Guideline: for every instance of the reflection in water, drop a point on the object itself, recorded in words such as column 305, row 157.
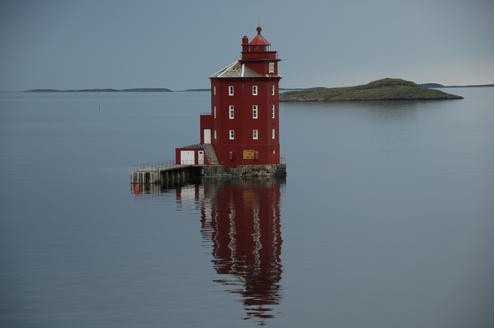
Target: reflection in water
column 242, row 223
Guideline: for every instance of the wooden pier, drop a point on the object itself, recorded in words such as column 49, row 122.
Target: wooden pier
column 172, row 175
column 166, row 175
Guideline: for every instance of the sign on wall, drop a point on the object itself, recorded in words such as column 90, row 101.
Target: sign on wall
column 248, row 154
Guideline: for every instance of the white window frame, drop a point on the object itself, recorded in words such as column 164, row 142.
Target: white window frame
column 273, row 133
column 273, row 111
column 231, row 112
column 214, row 111
column 255, row 134
column 271, row 67
column 255, row 112
column 214, row 90
column 254, row 90
column 231, row 135
column 231, row 90
column 273, row 90
column 215, row 134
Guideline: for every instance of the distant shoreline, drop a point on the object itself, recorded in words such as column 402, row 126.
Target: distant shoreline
column 439, row 86
column 469, row 86
column 135, row 90
column 103, row 90
column 422, row 85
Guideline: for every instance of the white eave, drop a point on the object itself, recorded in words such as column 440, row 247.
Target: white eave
column 235, row 70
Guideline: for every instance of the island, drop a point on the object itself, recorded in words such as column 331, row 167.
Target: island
column 384, row 89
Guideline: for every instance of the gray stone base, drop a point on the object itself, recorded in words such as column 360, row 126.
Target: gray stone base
column 274, row 170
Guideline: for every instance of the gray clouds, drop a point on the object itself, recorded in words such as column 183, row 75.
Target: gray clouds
column 178, row 44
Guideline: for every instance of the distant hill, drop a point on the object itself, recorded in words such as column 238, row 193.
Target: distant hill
column 104, row 90
column 385, row 89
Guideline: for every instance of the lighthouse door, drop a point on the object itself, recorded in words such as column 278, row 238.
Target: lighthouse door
column 207, row 136
column 187, row 157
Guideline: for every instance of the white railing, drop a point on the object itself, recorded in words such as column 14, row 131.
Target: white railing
column 155, row 165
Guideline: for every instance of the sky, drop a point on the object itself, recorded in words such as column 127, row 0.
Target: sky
column 178, row 44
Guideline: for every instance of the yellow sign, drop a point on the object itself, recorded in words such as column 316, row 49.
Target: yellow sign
column 248, row 154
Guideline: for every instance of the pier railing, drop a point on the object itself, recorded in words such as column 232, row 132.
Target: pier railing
column 160, row 164
column 154, row 165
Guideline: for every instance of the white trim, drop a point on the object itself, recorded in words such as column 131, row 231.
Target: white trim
column 207, row 136
column 223, row 70
column 255, row 134
column 231, row 135
column 255, row 113
column 271, row 67
column 254, row 90
column 231, row 112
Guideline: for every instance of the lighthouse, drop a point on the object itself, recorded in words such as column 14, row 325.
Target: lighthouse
column 241, row 131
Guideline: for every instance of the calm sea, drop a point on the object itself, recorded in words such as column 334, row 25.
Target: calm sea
column 385, row 218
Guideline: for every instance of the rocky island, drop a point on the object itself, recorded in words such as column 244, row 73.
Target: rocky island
column 385, row 89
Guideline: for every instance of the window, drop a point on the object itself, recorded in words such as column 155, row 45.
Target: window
column 255, row 134
column 215, row 134
column 231, row 134
column 214, row 111
column 255, row 112
column 231, row 112
column 214, row 90
column 271, row 67
column 273, row 133
column 273, row 90
column 273, row 111
column 255, row 90
column 231, row 90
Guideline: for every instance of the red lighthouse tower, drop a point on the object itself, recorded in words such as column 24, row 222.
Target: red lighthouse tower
column 245, row 107
column 242, row 128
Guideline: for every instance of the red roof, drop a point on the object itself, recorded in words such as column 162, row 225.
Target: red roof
column 259, row 40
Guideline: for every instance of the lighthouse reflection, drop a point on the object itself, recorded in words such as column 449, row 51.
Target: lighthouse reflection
column 241, row 222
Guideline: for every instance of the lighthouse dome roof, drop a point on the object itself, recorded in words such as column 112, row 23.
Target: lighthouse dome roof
column 259, row 40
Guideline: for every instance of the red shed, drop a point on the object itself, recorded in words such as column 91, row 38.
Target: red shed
column 191, row 155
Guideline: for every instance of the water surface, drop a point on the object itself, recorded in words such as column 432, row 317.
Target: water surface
column 385, row 219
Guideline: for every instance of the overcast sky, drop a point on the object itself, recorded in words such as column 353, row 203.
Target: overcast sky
column 177, row 44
